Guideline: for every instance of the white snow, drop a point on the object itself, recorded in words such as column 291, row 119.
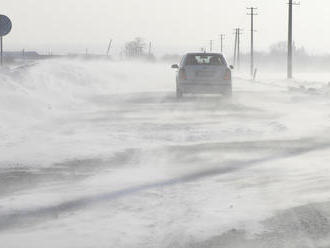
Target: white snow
column 112, row 159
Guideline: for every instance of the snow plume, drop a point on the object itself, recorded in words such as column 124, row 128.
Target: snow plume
column 35, row 100
column 102, row 154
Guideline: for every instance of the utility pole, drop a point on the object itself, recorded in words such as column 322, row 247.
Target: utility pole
column 237, row 52
column 222, row 37
column 252, row 14
column 290, row 39
column 238, row 48
column 235, row 48
column 211, row 45
column 109, row 48
column 150, row 47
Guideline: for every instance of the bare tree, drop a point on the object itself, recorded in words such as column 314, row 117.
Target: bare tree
column 135, row 48
column 279, row 48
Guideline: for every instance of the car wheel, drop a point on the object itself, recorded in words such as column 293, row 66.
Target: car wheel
column 179, row 93
column 228, row 93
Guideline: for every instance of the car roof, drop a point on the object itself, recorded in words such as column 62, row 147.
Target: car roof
column 205, row 54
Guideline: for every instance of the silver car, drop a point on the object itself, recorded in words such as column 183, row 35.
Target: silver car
column 203, row 73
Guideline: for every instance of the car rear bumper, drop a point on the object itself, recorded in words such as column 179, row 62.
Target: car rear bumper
column 206, row 87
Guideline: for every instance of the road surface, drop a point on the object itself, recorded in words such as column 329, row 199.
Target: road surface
column 101, row 154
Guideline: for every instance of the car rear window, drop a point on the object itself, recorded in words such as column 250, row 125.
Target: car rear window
column 204, row 59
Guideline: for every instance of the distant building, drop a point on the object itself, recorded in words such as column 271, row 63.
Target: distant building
column 22, row 54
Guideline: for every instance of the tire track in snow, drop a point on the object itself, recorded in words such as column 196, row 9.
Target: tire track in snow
column 23, row 217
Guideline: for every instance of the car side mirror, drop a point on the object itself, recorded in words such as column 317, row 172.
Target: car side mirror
column 231, row 67
column 175, row 66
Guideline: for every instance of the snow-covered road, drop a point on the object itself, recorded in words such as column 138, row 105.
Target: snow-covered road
column 102, row 154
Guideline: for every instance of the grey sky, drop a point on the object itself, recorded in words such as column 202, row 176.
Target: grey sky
column 172, row 25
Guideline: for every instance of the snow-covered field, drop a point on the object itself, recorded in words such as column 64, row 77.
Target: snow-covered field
column 102, row 154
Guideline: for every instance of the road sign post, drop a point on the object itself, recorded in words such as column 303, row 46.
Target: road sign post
column 1, row 50
column 5, row 28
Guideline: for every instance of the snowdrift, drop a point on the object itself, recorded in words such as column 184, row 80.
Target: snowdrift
column 34, row 97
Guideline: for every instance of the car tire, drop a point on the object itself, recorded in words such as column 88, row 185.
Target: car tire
column 179, row 93
column 228, row 93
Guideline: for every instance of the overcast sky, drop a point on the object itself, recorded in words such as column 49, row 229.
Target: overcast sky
column 172, row 25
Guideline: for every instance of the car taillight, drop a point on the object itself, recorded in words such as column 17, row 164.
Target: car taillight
column 228, row 75
column 182, row 74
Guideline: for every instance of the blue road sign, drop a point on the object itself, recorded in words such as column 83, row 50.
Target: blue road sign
column 5, row 25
